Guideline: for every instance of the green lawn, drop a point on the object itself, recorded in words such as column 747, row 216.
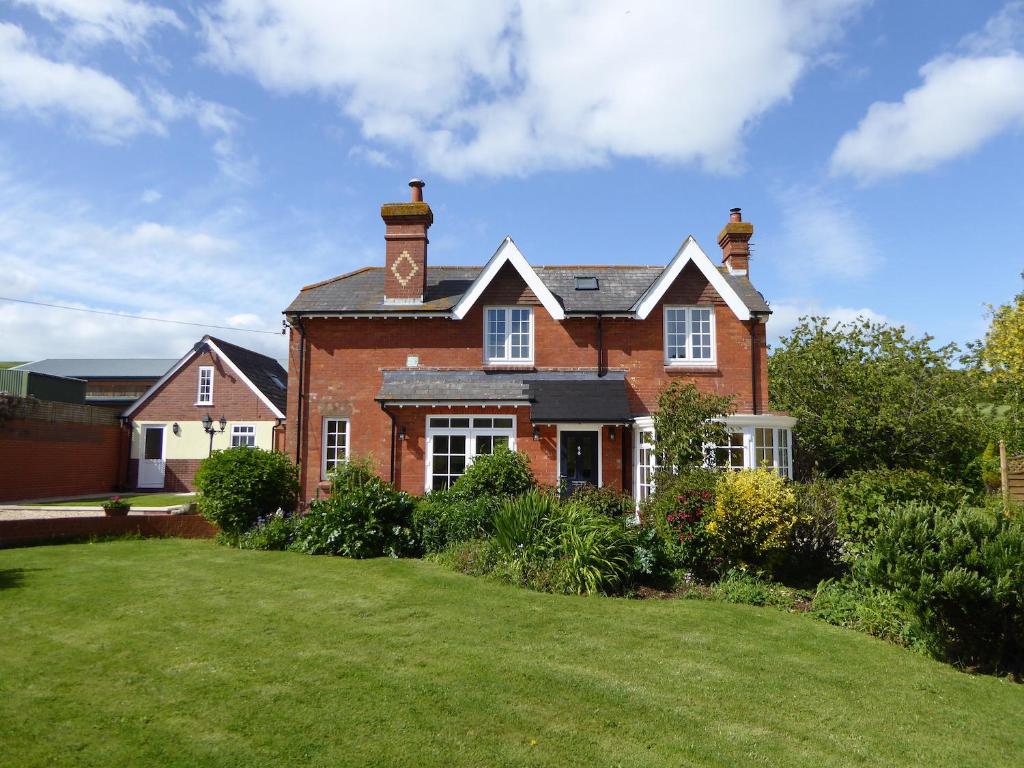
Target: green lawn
column 133, row 653
column 138, row 500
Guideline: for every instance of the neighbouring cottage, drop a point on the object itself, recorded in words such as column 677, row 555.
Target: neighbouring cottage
column 217, row 396
column 425, row 367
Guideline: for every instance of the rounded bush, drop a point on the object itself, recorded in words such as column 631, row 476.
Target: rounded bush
column 753, row 517
column 367, row 519
column 442, row 519
column 239, row 485
column 502, row 473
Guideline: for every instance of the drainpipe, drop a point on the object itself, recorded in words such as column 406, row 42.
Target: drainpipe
column 298, row 407
column 600, row 345
column 392, row 417
column 755, row 364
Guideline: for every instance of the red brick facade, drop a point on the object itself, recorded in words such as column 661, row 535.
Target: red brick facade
column 176, row 399
column 344, row 359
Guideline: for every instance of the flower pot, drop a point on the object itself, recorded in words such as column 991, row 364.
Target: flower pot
column 116, row 511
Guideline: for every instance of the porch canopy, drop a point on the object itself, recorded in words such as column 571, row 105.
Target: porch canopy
column 554, row 397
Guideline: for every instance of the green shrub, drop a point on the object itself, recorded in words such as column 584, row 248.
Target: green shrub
column 276, row 532
column 815, row 550
column 864, row 496
column 473, row 557
column 239, row 485
column 745, row 588
column 685, row 498
column 961, row 574
column 350, row 474
column 753, row 518
column 991, row 473
column 594, row 552
column 520, row 526
column 503, row 473
column 365, row 520
column 603, row 501
column 443, row 518
column 855, row 605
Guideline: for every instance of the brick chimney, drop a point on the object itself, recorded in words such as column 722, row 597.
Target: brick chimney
column 405, row 247
column 734, row 240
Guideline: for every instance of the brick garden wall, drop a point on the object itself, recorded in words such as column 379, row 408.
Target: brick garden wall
column 345, row 359
column 61, row 449
column 14, row 533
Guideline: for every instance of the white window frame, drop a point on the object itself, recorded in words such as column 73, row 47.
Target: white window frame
column 507, row 358
column 471, row 433
column 689, row 360
column 643, row 440
column 748, row 425
column 323, row 444
column 251, row 432
column 208, row 370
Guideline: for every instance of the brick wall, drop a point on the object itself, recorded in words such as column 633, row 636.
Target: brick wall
column 45, row 454
column 345, row 358
column 15, row 533
column 176, row 399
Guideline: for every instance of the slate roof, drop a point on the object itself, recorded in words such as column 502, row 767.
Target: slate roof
column 619, row 288
column 101, row 368
column 265, row 373
column 555, row 396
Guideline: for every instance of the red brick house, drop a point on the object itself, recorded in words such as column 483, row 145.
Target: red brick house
column 424, row 367
column 218, row 395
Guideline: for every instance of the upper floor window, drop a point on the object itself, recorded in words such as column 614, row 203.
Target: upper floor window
column 205, row 396
column 508, row 335
column 690, row 335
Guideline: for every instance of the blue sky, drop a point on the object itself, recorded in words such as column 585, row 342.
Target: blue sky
column 201, row 162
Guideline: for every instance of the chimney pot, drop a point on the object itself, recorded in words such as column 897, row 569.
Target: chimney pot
column 734, row 240
column 417, row 186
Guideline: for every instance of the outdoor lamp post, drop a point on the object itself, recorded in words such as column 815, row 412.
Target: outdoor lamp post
column 211, row 431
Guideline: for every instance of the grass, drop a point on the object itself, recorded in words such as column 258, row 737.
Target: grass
column 138, row 500
column 183, row 653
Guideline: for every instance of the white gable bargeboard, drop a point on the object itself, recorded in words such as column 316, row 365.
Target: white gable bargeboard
column 508, row 253
column 690, row 251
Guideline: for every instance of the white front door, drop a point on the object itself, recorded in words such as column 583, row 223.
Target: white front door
column 151, row 462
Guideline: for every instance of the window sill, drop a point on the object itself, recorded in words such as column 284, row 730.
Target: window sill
column 509, row 367
column 690, row 370
column 204, row 405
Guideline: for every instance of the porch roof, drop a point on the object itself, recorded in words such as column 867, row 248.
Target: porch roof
column 554, row 396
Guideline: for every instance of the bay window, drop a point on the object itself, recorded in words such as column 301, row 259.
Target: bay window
column 454, row 441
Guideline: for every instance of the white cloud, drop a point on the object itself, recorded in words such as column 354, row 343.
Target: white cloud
column 786, row 315
column 820, row 237
column 370, row 155
column 512, row 87
column 55, row 249
column 963, row 101
column 33, row 84
column 214, row 119
column 151, row 196
column 91, row 22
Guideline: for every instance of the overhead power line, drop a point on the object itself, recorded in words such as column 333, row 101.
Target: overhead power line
column 139, row 317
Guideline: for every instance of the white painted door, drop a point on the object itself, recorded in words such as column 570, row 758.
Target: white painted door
column 151, row 462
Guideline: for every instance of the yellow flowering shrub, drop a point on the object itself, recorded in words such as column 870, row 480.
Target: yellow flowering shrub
column 753, row 517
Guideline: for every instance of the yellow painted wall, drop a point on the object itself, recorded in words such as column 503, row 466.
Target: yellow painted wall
column 192, row 442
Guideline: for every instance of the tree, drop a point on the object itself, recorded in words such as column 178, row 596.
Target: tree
column 686, row 423
column 1002, row 352
column 868, row 395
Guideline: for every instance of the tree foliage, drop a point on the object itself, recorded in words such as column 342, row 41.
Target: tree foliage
column 1002, row 351
column 868, row 395
column 686, row 423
